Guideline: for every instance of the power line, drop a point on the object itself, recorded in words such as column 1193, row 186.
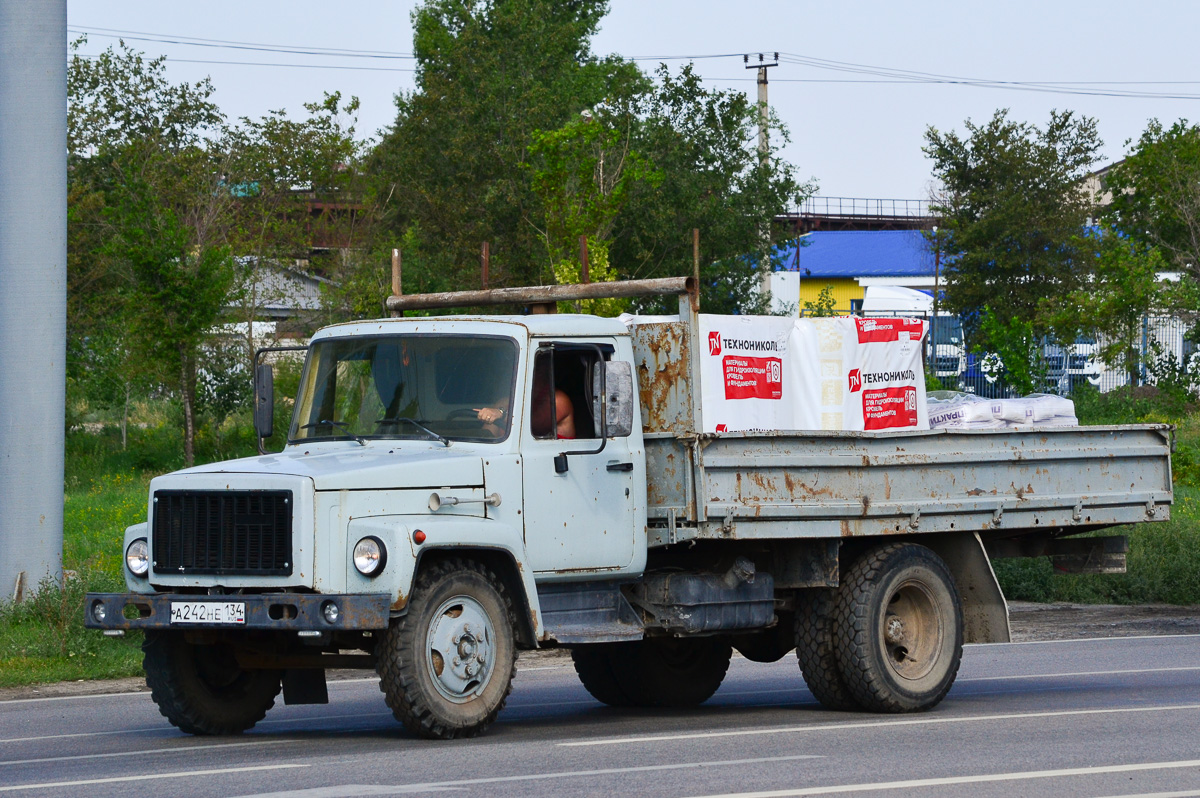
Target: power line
column 272, row 64
column 194, row 41
column 884, row 75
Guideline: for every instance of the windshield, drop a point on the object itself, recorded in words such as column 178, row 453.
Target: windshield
column 425, row 387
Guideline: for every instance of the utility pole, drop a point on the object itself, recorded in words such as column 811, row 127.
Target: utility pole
column 764, row 152
column 33, row 291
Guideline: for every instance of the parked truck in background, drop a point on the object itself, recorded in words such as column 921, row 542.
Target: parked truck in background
column 426, row 520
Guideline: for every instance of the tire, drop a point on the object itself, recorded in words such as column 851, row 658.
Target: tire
column 201, row 689
column 898, row 629
column 816, row 653
column 768, row 645
column 446, row 667
column 683, row 672
column 663, row 671
column 594, row 666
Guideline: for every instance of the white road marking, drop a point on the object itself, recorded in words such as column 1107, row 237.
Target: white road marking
column 346, row 791
column 163, row 728
column 870, row 725
column 4, row 703
column 170, row 729
column 143, row 751
column 1184, row 794
column 46, row 785
column 1078, row 640
column 602, row 772
column 1078, row 673
column 991, row 777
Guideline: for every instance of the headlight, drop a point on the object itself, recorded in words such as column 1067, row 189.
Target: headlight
column 137, row 557
column 370, row 556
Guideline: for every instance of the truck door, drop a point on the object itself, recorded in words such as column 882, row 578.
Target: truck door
column 581, row 518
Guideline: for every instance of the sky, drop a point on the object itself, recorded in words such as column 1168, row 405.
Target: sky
column 857, row 132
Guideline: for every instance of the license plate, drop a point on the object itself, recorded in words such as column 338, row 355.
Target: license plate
column 233, row 612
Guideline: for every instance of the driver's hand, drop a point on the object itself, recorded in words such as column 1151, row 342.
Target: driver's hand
column 488, row 415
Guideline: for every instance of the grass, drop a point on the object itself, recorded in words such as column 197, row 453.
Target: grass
column 43, row 639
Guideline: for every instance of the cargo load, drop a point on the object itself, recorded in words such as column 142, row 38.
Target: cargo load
column 840, row 373
column 954, row 410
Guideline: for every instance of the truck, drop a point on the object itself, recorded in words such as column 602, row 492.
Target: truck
column 433, row 513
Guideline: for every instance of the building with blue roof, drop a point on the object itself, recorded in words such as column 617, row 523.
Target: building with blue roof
column 848, row 261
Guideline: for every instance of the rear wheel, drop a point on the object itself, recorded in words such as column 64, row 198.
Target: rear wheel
column 655, row 672
column 816, row 652
column 201, row 689
column 898, row 629
column 446, row 667
column 594, row 666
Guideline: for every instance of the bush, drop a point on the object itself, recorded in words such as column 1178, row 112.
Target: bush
column 1132, row 405
column 42, row 639
column 1163, row 566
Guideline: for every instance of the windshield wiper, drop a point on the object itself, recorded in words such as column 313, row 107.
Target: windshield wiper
column 432, row 435
column 325, row 422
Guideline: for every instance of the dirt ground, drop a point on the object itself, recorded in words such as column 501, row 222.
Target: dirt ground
column 1030, row 622
column 1070, row 621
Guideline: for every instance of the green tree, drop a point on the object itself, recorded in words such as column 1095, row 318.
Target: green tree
column 297, row 183
column 1013, row 209
column 154, row 212
column 704, row 144
column 824, row 305
column 179, row 276
column 1122, row 289
column 583, row 173
column 489, row 74
column 1013, row 351
column 1156, row 193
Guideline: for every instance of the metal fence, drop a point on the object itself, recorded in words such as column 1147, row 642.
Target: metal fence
column 863, row 207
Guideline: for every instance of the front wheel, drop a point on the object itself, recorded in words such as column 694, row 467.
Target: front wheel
column 446, row 667
column 201, row 689
column 898, row 629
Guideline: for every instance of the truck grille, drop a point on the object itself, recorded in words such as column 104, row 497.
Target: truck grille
column 222, row 532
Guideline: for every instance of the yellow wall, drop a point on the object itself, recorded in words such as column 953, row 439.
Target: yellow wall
column 844, row 290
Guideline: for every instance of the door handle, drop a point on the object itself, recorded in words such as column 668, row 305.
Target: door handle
column 620, row 466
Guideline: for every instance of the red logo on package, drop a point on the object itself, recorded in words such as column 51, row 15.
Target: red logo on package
column 882, row 331
column 889, row 408
column 855, row 380
column 714, row 343
column 722, row 428
column 753, row 377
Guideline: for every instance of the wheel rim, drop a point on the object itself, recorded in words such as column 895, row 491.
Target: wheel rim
column 460, row 649
column 911, row 630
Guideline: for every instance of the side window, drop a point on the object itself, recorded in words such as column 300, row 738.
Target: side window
column 560, row 405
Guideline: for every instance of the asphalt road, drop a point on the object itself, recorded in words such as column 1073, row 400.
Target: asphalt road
column 1108, row 717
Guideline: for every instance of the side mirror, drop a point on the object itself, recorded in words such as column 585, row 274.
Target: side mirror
column 264, row 400
column 618, row 384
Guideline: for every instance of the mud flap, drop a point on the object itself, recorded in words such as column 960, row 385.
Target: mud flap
column 305, row 686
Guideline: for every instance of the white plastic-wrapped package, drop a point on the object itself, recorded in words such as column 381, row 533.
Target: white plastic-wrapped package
column 841, row 373
column 887, row 383
column 747, row 380
column 949, row 410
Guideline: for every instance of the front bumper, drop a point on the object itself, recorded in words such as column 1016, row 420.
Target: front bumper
column 298, row 612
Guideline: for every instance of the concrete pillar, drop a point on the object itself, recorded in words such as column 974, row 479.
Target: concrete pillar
column 33, row 288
